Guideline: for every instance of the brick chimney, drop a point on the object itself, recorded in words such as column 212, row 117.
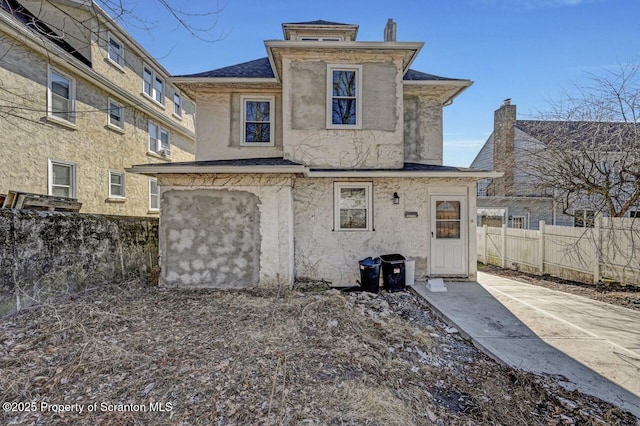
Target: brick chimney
column 390, row 30
column 504, row 120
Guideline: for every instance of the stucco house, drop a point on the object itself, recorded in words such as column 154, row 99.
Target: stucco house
column 324, row 152
column 80, row 102
column 517, row 149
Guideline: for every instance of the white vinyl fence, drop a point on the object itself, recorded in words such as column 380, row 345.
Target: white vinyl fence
column 611, row 249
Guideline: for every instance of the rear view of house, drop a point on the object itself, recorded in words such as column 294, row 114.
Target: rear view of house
column 324, row 152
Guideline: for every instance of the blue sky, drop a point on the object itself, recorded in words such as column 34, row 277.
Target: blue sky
column 527, row 50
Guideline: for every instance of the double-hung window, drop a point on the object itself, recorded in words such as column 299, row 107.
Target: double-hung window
column 61, row 96
column 344, row 88
column 152, row 84
column 257, row 120
column 159, row 140
column 115, row 50
column 352, row 206
column 116, row 184
column 154, row 195
column 116, row 114
column 62, row 179
column 177, row 105
column 583, row 218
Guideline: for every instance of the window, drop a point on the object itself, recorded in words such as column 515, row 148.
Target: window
column 154, row 195
column 634, row 213
column 352, row 203
column 152, row 84
column 583, row 218
column 115, row 50
column 519, row 222
column 448, row 219
column 177, row 105
column 116, row 114
column 62, row 179
column 61, row 96
column 343, row 96
column 159, row 140
column 116, row 184
column 257, row 121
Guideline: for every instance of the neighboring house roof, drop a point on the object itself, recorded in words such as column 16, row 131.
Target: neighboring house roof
column 32, row 22
column 261, row 68
column 606, row 136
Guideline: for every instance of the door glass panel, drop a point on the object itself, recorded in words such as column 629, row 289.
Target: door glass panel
column 448, row 219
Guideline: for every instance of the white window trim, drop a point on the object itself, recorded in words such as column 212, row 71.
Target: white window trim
column 72, row 98
column 73, row 190
column 272, row 124
column 165, row 152
column 583, row 217
column 329, row 112
column 119, row 64
column 115, row 126
column 177, row 113
column 154, row 209
column 154, row 76
column 336, row 204
column 113, row 196
column 525, row 222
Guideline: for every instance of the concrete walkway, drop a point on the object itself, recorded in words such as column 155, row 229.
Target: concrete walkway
column 589, row 345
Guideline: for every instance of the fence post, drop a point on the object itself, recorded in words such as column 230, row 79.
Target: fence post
column 541, row 231
column 503, row 234
column 597, row 238
column 485, row 230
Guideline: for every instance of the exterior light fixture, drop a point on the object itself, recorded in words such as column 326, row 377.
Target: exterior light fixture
column 396, row 198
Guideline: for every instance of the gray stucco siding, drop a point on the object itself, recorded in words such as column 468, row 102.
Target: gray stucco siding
column 212, row 238
column 309, row 96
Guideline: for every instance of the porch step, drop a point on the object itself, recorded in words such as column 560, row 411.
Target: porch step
column 436, row 285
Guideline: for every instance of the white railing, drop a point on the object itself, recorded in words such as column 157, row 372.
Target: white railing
column 611, row 249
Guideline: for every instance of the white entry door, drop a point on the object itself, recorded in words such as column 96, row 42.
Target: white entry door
column 448, row 235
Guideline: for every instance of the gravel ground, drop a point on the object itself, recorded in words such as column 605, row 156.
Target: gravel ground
column 135, row 354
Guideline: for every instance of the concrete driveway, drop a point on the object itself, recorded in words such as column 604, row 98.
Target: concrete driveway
column 589, row 345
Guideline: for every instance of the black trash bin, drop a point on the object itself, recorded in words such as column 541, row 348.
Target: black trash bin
column 393, row 273
column 370, row 274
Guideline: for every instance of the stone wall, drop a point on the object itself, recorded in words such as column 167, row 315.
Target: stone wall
column 44, row 255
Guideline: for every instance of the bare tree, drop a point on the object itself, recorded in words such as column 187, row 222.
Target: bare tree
column 590, row 151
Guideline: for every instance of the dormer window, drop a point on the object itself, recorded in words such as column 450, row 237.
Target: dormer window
column 344, row 104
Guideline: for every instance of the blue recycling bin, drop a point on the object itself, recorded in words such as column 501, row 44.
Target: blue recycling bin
column 370, row 274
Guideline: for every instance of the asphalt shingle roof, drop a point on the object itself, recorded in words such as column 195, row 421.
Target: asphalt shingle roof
column 261, row 68
column 316, row 22
column 258, row 68
column 607, row 135
column 274, row 161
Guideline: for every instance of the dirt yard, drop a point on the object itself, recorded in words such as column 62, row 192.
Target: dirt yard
column 133, row 354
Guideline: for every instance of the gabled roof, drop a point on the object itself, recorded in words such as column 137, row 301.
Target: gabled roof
column 261, row 68
column 600, row 135
column 38, row 27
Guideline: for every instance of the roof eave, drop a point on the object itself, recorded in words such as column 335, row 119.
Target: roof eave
column 222, row 80
column 399, row 173
column 153, row 170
